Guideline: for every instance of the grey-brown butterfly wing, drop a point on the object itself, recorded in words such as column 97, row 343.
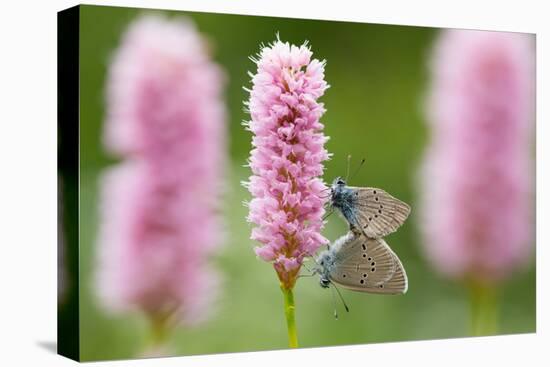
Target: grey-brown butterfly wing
column 398, row 283
column 377, row 212
column 369, row 265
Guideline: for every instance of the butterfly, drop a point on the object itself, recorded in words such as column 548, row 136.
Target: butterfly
column 362, row 264
column 371, row 210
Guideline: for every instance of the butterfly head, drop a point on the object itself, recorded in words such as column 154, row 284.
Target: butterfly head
column 324, row 282
column 338, row 183
column 338, row 193
column 325, row 262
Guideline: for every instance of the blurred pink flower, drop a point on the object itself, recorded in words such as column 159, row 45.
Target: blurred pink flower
column 286, row 161
column 158, row 221
column 477, row 178
column 162, row 90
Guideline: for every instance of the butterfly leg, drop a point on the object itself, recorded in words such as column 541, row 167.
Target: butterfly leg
column 312, row 272
column 328, row 214
column 306, row 275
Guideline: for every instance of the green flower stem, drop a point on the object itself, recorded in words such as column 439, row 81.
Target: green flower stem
column 483, row 309
column 160, row 331
column 159, row 334
column 290, row 319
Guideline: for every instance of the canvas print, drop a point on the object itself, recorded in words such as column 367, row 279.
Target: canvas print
column 232, row 183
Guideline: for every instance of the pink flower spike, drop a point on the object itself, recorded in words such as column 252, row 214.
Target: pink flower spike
column 158, row 221
column 477, row 175
column 159, row 63
column 287, row 158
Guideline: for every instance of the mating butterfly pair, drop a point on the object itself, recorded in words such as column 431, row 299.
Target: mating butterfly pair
column 361, row 260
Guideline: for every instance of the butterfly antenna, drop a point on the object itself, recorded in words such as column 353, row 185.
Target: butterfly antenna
column 334, row 304
column 347, row 170
column 358, row 169
column 341, row 298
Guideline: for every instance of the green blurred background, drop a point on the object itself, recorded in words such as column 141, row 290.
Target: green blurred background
column 378, row 79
